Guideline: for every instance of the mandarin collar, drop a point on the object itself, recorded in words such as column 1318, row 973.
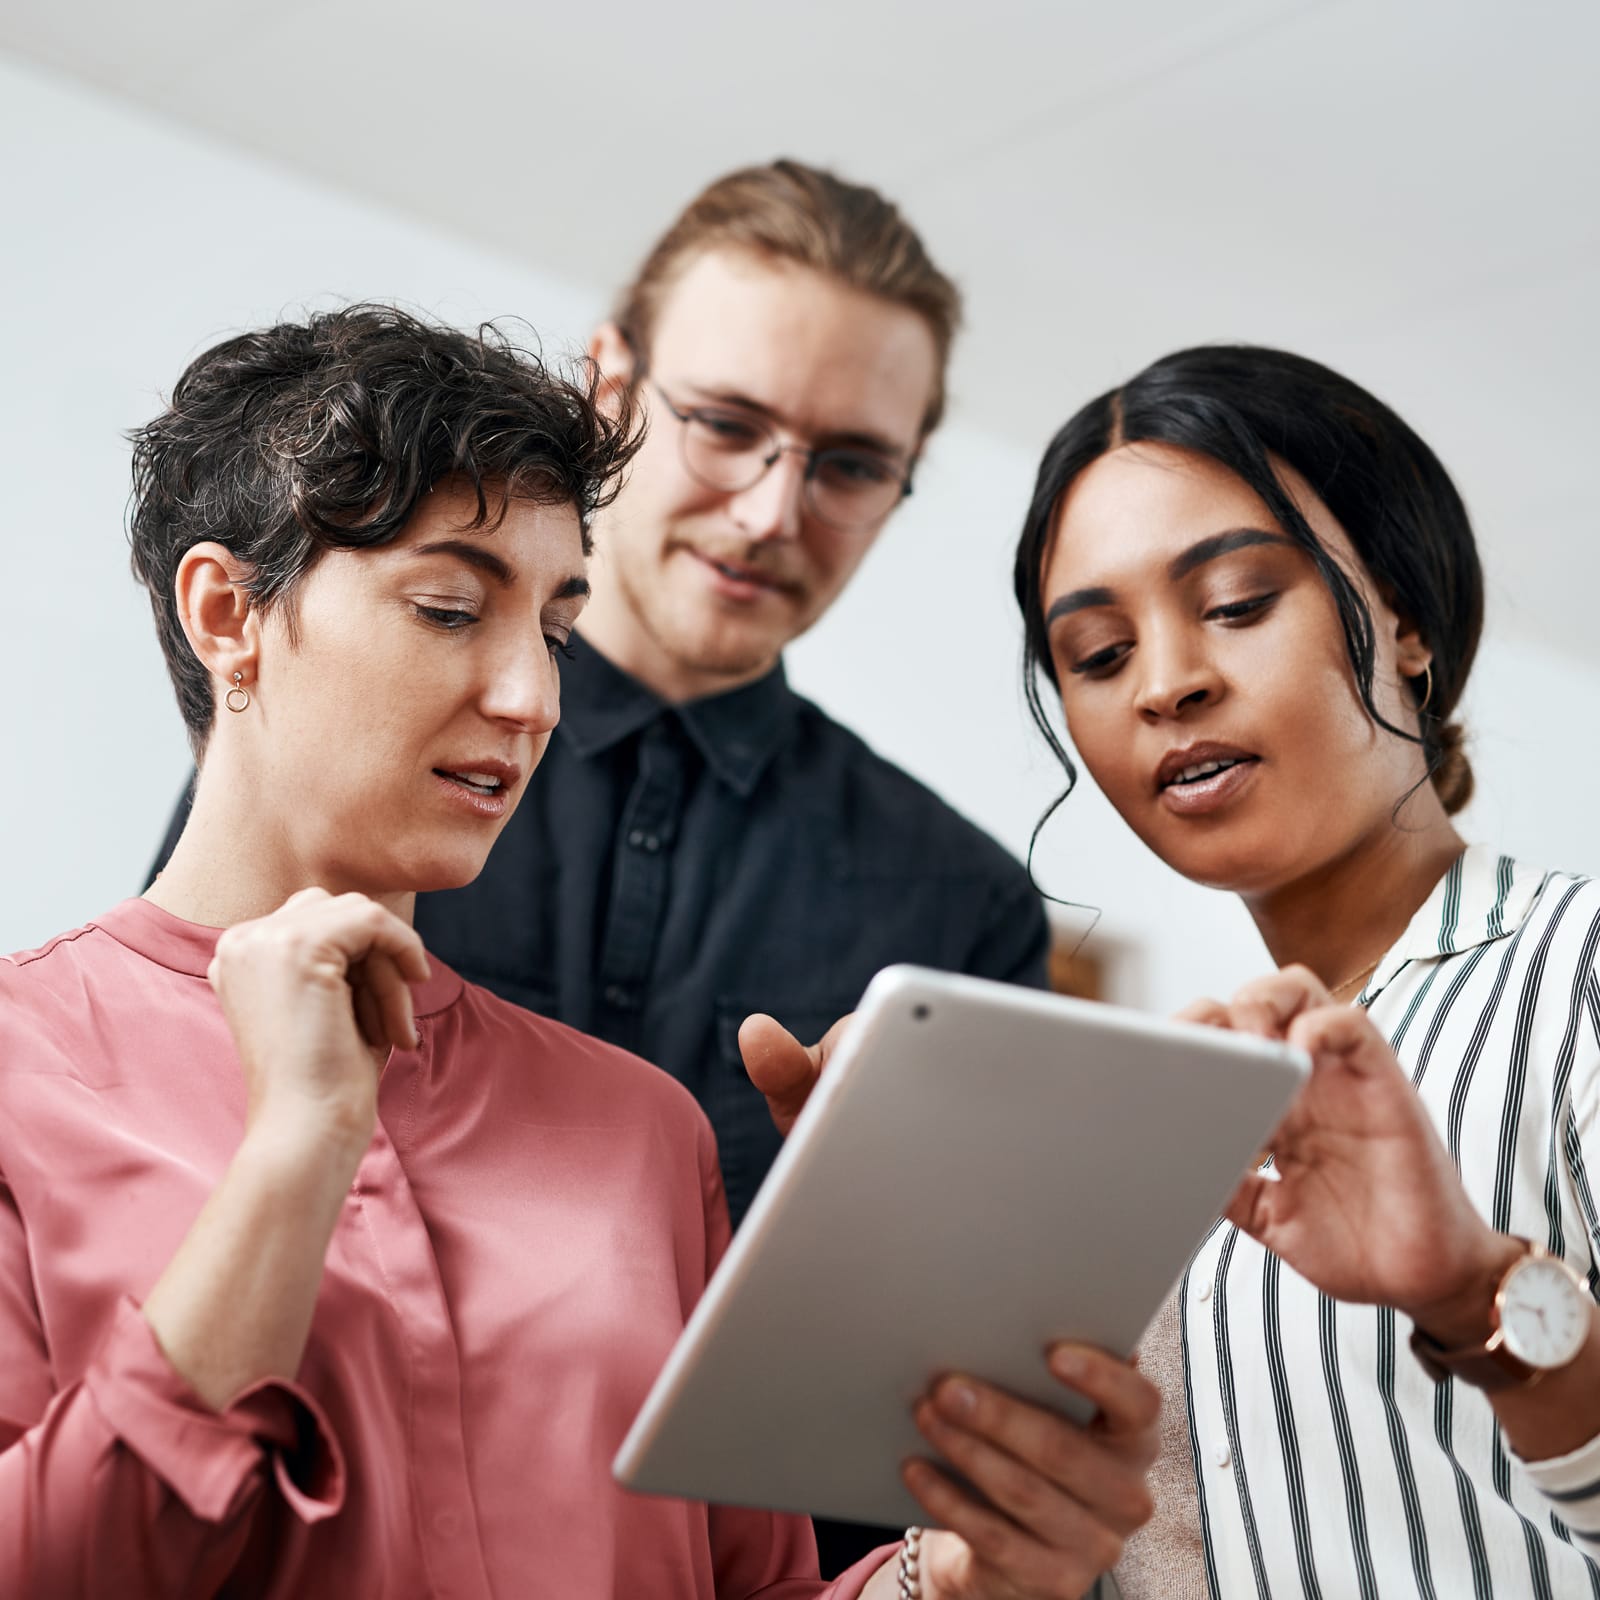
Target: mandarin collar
column 737, row 733
column 187, row 947
column 1483, row 896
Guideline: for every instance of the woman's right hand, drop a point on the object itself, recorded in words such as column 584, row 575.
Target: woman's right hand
column 315, row 994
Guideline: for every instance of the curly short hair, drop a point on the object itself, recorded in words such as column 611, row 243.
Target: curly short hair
column 327, row 434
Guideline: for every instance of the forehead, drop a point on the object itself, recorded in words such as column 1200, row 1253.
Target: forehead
column 824, row 356
column 1138, row 506
column 531, row 536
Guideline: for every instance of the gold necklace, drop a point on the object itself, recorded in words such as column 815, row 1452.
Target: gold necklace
column 1366, row 972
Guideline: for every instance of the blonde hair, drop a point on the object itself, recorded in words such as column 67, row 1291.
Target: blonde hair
column 788, row 211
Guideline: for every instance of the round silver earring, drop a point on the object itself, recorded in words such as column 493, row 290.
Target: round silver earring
column 239, row 690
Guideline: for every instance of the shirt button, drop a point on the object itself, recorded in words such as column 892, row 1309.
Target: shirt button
column 1221, row 1454
column 446, row 1524
column 1203, row 1292
column 616, row 995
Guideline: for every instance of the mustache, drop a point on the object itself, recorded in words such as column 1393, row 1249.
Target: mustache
column 767, row 562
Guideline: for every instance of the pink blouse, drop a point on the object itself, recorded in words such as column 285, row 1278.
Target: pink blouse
column 534, row 1219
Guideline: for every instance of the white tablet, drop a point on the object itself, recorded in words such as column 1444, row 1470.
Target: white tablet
column 982, row 1170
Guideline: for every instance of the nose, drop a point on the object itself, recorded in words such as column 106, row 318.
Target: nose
column 1175, row 675
column 773, row 507
column 522, row 689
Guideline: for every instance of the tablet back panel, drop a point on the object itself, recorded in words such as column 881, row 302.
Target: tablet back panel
column 981, row 1171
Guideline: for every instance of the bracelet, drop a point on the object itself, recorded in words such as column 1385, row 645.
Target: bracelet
column 910, row 1549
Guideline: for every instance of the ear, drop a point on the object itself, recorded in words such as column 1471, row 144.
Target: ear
column 616, row 359
column 218, row 620
column 1413, row 654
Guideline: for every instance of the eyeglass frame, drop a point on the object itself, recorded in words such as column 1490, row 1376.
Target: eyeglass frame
column 812, row 454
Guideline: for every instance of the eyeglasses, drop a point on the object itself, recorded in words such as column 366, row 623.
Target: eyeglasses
column 846, row 486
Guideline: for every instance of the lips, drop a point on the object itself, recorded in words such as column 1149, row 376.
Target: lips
column 1196, row 763
column 741, row 573
column 482, row 776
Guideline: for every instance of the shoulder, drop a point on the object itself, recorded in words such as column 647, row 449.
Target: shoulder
column 1530, row 958
column 897, row 814
column 41, row 981
column 1563, row 915
column 61, row 1003
column 61, row 944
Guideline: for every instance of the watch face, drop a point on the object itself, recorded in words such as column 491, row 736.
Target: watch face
column 1544, row 1314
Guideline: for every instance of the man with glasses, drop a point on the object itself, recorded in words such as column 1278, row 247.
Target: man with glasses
column 700, row 843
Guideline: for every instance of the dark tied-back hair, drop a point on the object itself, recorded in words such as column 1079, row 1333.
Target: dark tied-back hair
column 1243, row 405
column 327, row 434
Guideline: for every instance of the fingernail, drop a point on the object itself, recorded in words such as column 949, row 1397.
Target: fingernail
column 957, row 1398
column 915, row 1473
column 1068, row 1364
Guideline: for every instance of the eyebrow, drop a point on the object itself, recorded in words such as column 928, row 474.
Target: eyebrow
column 474, row 555
column 1180, row 567
column 853, row 438
column 1220, row 544
column 576, row 587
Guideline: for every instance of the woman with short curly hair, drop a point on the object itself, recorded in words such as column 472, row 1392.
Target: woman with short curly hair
column 323, row 1273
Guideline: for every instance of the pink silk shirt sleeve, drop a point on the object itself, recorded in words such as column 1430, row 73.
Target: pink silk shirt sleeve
column 129, row 1484
column 123, row 1482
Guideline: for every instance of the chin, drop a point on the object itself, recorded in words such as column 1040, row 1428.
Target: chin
column 428, row 871
column 727, row 653
column 1234, row 864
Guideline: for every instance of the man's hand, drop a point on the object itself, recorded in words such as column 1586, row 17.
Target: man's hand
column 782, row 1068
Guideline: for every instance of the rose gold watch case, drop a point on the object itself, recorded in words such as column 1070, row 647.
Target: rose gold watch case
column 1490, row 1365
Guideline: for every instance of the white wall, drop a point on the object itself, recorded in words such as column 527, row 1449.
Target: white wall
column 128, row 245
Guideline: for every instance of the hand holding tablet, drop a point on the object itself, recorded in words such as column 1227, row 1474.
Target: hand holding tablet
column 981, row 1174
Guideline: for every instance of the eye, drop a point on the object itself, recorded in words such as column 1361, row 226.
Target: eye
column 1102, row 663
column 558, row 646
column 853, row 469
column 1241, row 610
column 446, row 617
column 727, row 430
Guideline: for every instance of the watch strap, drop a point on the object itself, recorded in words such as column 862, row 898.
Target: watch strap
column 1488, row 1365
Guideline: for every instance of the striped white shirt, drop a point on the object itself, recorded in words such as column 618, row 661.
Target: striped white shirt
column 1328, row 1463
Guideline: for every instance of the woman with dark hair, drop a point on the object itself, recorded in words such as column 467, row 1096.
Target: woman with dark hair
column 1256, row 593
column 322, row 1272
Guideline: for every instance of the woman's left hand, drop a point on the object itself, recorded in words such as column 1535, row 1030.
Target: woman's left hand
column 1365, row 1201
column 1059, row 1499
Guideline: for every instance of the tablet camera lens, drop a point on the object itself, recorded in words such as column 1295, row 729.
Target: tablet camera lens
column 919, row 1013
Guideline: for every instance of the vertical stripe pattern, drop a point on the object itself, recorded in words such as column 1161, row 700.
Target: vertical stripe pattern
column 1330, row 1465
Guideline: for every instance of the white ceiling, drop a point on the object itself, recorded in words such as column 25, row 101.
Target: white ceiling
column 1405, row 188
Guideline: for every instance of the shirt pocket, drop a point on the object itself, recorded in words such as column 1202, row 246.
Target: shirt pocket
column 747, row 1141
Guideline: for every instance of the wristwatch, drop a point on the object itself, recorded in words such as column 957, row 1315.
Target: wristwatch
column 1539, row 1321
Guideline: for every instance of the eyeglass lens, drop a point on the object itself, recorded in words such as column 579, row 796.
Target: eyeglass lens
column 845, row 486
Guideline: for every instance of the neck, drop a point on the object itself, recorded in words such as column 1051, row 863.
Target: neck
column 232, row 865
column 621, row 640
column 1341, row 920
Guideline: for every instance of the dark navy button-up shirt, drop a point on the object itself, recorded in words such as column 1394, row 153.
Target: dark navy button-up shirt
column 673, row 868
